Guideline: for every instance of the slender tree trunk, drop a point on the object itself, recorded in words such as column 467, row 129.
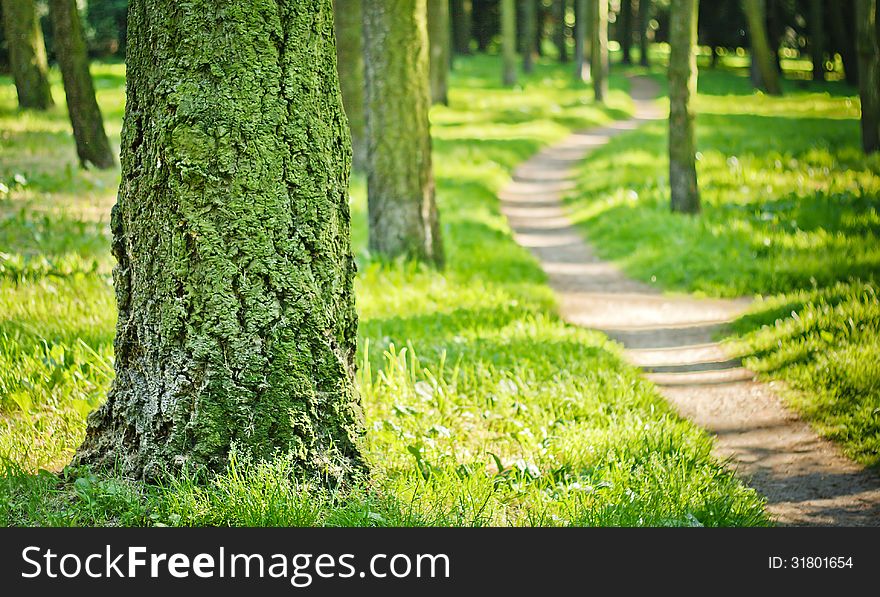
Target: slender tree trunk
column 530, row 19
column 844, row 40
column 27, row 54
column 682, row 89
column 484, row 26
column 644, row 20
column 582, row 45
column 762, row 54
column 599, row 54
column 540, row 27
column 92, row 145
column 400, row 184
column 817, row 39
column 508, row 41
column 460, row 12
column 350, row 66
column 231, row 231
column 559, row 36
column 869, row 72
column 438, row 35
column 626, row 30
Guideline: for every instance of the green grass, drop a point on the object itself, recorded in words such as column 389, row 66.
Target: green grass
column 483, row 407
column 791, row 214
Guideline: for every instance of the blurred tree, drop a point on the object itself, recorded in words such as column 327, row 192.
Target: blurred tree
column 508, row 41
column 582, row 45
column 527, row 38
column 234, row 280
column 842, row 26
column 460, row 12
column 599, row 52
column 560, row 39
column 762, row 53
column 625, row 30
column 107, row 22
column 644, row 24
column 485, row 21
column 817, row 38
column 92, row 145
column 867, row 25
column 403, row 216
column 348, row 24
column 27, row 54
column 439, row 38
column 682, row 90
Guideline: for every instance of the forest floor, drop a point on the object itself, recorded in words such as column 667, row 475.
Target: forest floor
column 672, row 337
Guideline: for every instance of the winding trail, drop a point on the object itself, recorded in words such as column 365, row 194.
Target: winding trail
column 806, row 480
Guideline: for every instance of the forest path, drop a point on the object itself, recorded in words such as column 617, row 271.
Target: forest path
column 806, row 480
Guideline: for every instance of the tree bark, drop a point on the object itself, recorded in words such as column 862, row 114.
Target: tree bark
column 438, row 35
column 461, row 26
column 559, row 37
column 92, row 145
column 644, row 19
column 348, row 25
column 868, row 47
column 508, row 41
column 582, row 45
column 400, row 185
column 762, row 54
column 530, row 26
column 626, row 30
column 682, row 89
column 599, row 53
column 27, row 54
column 237, row 324
column 817, row 39
column 843, row 38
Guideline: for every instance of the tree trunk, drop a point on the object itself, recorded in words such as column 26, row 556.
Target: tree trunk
column 844, row 40
column 350, row 66
column 508, row 41
column 582, row 45
column 530, row 20
column 867, row 33
column 234, row 278
column 540, row 27
column 626, row 30
column 762, row 54
column 483, row 22
column 559, row 37
column 438, row 35
column 644, row 20
column 400, row 185
column 461, row 26
column 27, row 54
column 682, row 89
column 92, row 145
column 817, row 39
column 599, row 53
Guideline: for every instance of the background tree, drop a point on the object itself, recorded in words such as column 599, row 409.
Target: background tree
column 485, row 21
column 231, row 231
column 599, row 53
column 817, row 38
column 582, row 45
column 682, row 89
column 529, row 34
column 92, row 145
column 560, row 39
column 762, row 54
column 842, row 26
column 867, row 26
column 625, row 30
column 460, row 13
column 439, row 38
column 508, row 41
column 400, row 185
column 350, row 66
column 27, row 54
column 644, row 24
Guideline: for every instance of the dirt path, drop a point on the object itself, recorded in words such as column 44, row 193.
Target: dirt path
column 805, row 478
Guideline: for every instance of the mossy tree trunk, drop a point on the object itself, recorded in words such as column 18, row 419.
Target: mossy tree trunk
column 92, row 145
column 403, row 216
column 350, row 66
column 460, row 12
column 625, row 29
column 237, row 324
column 529, row 34
column 817, row 38
column 867, row 26
column 644, row 24
column 560, row 39
column 508, row 42
column 762, row 53
column 599, row 53
column 582, row 45
column 27, row 54
column 438, row 36
column 682, row 89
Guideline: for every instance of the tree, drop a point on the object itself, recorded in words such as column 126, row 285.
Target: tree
column 350, row 66
column 762, row 55
column 682, row 89
column 27, row 54
column 403, row 216
column 231, row 231
column 582, row 44
column 508, row 41
column 644, row 20
column 843, row 33
column 530, row 30
column 559, row 37
column 438, row 36
column 599, row 53
column 92, row 145
column 867, row 25
column 625, row 28
column 817, row 39
column 461, row 25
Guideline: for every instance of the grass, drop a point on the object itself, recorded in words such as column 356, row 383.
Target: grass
column 483, row 407
column 791, row 215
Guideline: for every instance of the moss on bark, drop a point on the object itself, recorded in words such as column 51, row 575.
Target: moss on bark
column 350, row 66
column 231, row 231
column 27, row 54
column 682, row 89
